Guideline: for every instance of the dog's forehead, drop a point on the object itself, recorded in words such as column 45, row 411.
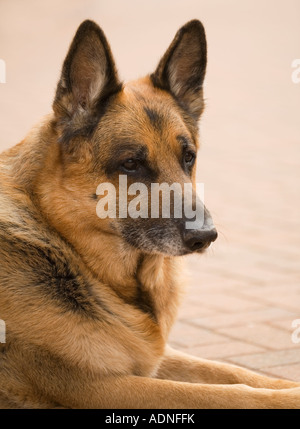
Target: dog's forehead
column 143, row 97
column 141, row 115
column 145, row 111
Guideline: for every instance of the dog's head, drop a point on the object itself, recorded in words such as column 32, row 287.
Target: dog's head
column 129, row 151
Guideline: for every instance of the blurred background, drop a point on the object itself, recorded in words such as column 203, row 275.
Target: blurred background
column 244, row 293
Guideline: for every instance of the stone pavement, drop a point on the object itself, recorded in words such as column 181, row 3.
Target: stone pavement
column 244, row 293
column 233, row 315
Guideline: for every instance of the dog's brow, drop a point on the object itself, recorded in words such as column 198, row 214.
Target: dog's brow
column 133, row 149
column 122, row 150
column 185, row 142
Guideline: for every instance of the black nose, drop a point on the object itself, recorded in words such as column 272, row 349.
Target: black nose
column 196, row 240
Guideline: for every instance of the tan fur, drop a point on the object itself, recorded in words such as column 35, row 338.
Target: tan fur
column 87, row 313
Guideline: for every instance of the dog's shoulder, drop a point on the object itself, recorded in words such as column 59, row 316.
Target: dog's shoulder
column 34, row 257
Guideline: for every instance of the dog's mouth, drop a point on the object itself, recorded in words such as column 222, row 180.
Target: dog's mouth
column 201, row 248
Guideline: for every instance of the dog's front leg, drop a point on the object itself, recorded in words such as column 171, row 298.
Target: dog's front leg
column 133, row 392
column 183, row 367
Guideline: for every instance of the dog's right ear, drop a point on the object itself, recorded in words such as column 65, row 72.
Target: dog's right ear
column 88, row 79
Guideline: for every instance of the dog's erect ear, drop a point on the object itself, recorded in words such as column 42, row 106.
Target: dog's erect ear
column 88, row 79
column 181, row 70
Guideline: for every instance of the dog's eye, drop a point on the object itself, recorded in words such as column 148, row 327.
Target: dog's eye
column 130, row 165
column 189, row 158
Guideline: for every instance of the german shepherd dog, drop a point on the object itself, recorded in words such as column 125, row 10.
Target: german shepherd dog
column 88, row 303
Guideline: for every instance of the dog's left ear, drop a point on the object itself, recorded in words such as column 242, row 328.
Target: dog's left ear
column 88, row 79
column 181, row 70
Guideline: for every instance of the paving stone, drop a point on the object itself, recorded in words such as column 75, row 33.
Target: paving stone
column 290, row 372
column 223, row 349
column 268, row 359
column 188, row 311
column 186, row 335
column 285, row 324
column 286, row 296
column 260, row 334
column 241, row 318
column 226, row 303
